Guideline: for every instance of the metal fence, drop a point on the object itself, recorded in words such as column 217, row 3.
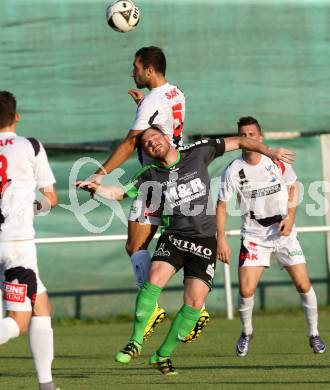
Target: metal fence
column 263, row 287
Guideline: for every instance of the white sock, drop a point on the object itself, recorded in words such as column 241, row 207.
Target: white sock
column 245, row 308
column 141, row 265
column 309, row 304
column 41, row 344
column 8, row 329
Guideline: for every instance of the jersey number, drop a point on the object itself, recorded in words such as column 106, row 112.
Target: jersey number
column 177, row 115
column 3, row 172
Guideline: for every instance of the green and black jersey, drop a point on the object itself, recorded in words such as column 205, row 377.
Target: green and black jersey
column 182, row 189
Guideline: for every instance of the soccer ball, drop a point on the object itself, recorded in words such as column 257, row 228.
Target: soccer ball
column 123, row 16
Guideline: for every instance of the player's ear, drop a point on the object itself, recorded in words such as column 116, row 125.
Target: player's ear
column 150, row 71
column 17, row 117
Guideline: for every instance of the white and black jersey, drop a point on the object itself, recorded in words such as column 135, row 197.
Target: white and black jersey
column 24, row 168
column 261, row 191
column 183, row 189
column 165, row 107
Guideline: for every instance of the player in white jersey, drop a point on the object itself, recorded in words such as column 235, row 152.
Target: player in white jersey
column 23, row 169
column 163, row 106
column 267, row 193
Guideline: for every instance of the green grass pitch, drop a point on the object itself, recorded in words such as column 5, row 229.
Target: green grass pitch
column 279, row 358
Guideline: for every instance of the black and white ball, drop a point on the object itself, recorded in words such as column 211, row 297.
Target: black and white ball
column 123, row 15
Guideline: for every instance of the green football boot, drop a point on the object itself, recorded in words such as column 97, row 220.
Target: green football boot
column 131, row 351
column 163, row 364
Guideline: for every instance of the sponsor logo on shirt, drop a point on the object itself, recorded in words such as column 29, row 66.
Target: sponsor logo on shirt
column 271, row 170
column 263, row 191
column 183, row 193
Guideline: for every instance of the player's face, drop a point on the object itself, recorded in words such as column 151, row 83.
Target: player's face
column 140, row 74
column 155, row 144
column 250, row 131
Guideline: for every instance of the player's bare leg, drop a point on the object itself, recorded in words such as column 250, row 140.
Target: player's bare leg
column 300, row 278
column 195, row 294
column 41, row 341
column 248, row 281
column 139, row 237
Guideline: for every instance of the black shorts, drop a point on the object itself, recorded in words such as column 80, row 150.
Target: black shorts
column 197, row 256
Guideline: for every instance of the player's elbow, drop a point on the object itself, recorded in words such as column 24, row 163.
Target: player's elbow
column 52, row 199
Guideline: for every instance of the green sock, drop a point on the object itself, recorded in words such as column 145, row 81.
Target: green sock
column 182, row 324
column 146, row 302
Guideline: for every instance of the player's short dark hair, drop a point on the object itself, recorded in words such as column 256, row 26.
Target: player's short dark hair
column 152, row 56
column 248, row 120
column 7, row 109
column 152, row 127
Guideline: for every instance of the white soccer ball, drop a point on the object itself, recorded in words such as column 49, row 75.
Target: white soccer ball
column 123, row 16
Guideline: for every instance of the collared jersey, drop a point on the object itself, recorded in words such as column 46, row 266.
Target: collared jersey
column 24, row 168
column 261, row 191
column 182, row 189
column 165, row 107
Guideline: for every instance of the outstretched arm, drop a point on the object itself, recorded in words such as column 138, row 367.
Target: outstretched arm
column 234, row 143
column 107, row 192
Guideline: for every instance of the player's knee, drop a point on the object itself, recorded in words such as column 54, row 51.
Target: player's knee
column 23, row 328
column 303, row 287
column 44, row 310
column 129, row 248
column 132, row 247
column 246, row 292
column 22, row 320
column 195, row 302
column 156, row 279
column 42, row 306
column 157, row 276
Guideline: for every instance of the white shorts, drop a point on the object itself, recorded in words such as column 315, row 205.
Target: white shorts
column 149, row 217
column 256, row 253
column 21, row 283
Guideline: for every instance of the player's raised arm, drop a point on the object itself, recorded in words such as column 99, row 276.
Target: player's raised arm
column 137, row 95
column 122, row 153
column 234, row 143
